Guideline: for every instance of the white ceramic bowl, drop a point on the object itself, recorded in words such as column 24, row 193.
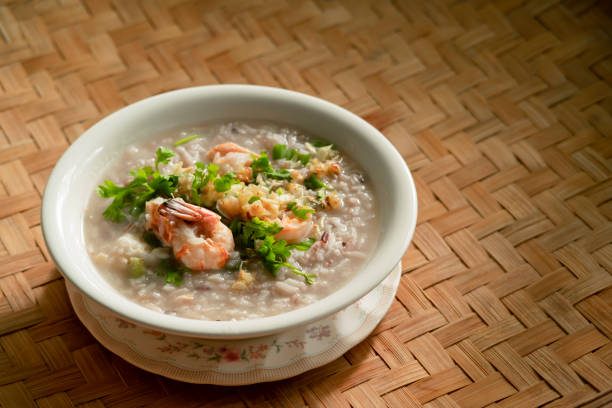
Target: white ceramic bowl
column 77, row 174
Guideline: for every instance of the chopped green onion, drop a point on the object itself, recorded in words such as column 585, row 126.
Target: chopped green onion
column 312, row 182
column 185, row 140
column 279, row 151
column 136, row 267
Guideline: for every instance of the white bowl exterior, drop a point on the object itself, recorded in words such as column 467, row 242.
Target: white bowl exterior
column 77, row 174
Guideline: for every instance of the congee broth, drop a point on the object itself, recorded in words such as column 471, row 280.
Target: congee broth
column 230, row 221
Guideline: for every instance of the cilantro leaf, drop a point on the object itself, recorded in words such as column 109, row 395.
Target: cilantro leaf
column 309, row 278
column 162, row 156
column 172, row 271
column 300, row 212
column 131, row 199
column 279, row 151
column 120, row 194
column 164, row 185
column 225, row 182
column 201, row 177
column 246, row 233
column 302, row 246
column 275, row 253
column 258, row 236
column 312, row 182
column 262, row 165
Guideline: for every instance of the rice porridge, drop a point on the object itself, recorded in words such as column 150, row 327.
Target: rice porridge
column 231, row 221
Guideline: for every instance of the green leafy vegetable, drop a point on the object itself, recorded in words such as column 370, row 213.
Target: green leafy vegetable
column 225, row 182
column 131, row 199
column 172, row 271
column 302, row 246
column 274, row 255
column 312, row 182
column 322, row 143
column 258, row 235
column 246, row 233
column 201, row 177
column 262, row 165
column 162, row 156
column 253, row 199
column 186, row 140
column 279, row 151
column 300, row 212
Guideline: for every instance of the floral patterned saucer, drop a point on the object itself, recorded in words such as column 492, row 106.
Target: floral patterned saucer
column 238, row 362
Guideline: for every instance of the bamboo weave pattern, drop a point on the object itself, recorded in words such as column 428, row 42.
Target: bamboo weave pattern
column 501, row 109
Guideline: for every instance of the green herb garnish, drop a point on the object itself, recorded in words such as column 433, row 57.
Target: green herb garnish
column 300, row 212
column 131, row 199
column 172, row 271
column 302, row 246
column 262, row 165
column 279, row 151
column 312, row 182
column 225, row 182
column 253, row 199
column 274, row 255
column 246, row 233
column 322, row 143
column 162, row 156
column 136, row 267
column 201, row 177
column 185, row 140
column 258, row 235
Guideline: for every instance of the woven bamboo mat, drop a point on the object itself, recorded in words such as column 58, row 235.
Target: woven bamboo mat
column 502, row 110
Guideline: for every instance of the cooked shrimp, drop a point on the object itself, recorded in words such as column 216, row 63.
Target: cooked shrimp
column 231, row 157
column 229, row 206
column 294, row 229
column 198, row 238
column 326, row 168
column 225, row 148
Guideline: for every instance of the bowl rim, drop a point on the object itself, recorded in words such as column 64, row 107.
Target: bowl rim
column 125, row 308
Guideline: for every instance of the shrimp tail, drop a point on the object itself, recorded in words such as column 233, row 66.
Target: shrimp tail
column 188, row 212
column 197, row 236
